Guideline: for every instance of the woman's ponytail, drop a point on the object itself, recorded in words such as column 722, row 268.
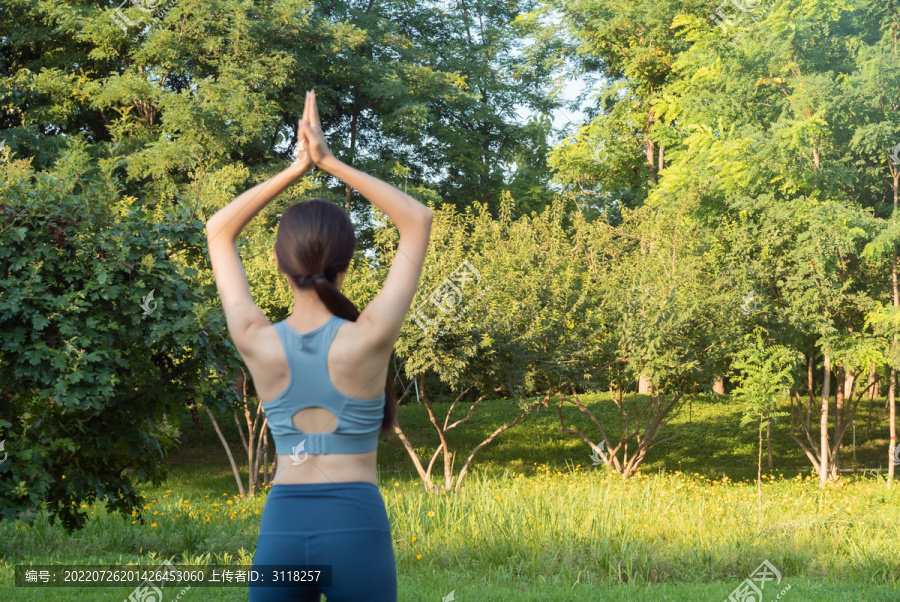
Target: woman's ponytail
column 316, row 237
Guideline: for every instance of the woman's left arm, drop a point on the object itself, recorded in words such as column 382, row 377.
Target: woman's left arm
column 228, row 221
column 241, row 312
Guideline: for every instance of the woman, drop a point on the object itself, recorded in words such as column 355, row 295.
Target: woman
column 322, row 376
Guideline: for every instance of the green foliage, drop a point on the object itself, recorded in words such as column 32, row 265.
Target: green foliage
column 202, row 99
column 614, row 162
column 89, row 377
column 525, row 307
column 176, row 115
column 557, row 299
column 711, row 166
column 764, row 371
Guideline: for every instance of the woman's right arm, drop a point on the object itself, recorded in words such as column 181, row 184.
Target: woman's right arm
column 382, row 319
column 380, row 322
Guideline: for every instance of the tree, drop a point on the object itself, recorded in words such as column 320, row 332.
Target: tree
column 878, row 82
column 765, row 374
column 205, row 101
column 177, row 111
column 614, row 161
column 665, row 311
column 770, row 122
column 518, row 325
column 106, row 336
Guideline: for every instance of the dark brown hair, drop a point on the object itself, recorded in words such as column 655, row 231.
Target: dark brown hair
column 316, row 237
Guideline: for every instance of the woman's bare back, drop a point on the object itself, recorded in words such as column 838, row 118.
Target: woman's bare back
column 354, row 371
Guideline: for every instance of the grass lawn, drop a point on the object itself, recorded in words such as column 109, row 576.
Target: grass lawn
column 535, row 520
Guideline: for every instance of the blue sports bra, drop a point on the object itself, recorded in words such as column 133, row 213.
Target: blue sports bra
column 358, row 420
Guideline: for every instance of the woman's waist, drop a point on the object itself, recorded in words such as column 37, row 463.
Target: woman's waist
column 306, row 508
column 327, row 468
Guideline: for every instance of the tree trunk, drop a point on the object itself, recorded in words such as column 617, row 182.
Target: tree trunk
column 254, row 466
column 850, row 378
column 240, row 430
column 759, row 473
column 869, row 419
column 429, row 486
column 816, row 155
column 838, row 408
column 895, row 172
column 234, row 469
column 650, row 148
column 241, row 381
column 809, row 399
column 849, row 383
column 266, row 477
column 893, row 414
column 645, row 387
column 442, row 434
column 893, row 441
column 873, row 393
column 719, row 385
column 823, row 422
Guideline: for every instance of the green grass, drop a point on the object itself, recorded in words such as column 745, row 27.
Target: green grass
column 534, row 519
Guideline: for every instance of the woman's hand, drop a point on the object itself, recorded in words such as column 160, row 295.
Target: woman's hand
column 311, row 130
column 303, row 160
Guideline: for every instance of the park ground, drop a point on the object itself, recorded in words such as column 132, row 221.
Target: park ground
column 535, row 519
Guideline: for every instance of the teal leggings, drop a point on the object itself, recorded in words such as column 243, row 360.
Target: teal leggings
column 344, row 525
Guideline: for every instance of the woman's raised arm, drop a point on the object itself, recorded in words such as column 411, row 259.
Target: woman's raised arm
column 382, row 319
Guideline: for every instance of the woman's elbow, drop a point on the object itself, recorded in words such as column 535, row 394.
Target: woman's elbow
column 423, row 218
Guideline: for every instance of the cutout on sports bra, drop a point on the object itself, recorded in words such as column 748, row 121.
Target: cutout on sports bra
column 315, row 419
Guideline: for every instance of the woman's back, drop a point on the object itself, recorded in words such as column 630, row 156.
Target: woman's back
column 354, row 370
